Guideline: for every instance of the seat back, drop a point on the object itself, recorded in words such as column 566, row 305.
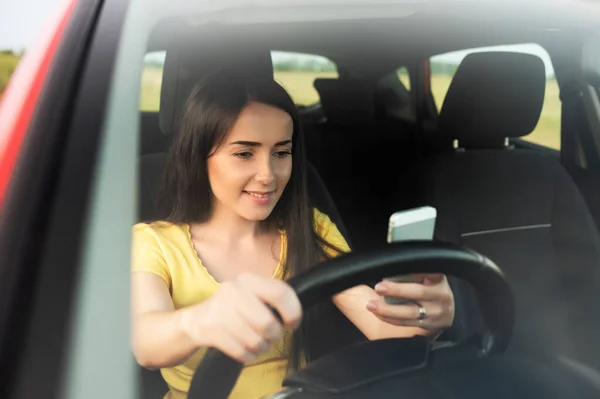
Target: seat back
column 364, row 148
column 518, row 207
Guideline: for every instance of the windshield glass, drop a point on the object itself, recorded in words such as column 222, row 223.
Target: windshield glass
column 275, row 138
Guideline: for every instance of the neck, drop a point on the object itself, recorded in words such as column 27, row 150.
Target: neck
column 232, row 227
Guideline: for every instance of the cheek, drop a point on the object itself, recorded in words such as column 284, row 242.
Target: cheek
column 225, row 177
column 284, row 171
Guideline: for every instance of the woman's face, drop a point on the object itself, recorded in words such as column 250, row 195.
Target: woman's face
column 250, row 170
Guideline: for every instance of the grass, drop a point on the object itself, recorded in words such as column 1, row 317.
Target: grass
column 8, row 63
column 300, row 87
column 150, row 94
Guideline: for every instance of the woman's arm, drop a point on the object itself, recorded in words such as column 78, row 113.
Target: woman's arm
column 368, row 311
column 236, row 320
column 353, row 304
column 159, row 338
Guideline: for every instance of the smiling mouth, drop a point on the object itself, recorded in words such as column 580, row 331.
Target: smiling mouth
column 259, row 195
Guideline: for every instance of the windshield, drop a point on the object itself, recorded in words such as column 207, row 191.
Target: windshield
column 273, row 139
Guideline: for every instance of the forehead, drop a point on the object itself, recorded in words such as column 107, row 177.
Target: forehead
column 262, row 123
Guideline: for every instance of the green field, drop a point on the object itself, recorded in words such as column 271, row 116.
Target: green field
column 300, row 87
column 298, row 84
column 150, row 93
column 8, row 63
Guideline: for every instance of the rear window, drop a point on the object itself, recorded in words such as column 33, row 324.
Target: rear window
column 297, row 72
column 548, row 130
column 152, row 74
column 403, row 77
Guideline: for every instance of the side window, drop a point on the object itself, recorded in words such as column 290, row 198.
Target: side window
column 152, row 75
column 548, row 129
column 296, row 72
column 393, row 95
column 403, row 77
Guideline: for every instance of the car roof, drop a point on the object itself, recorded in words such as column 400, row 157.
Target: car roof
column 373, row 37
column 549, row 13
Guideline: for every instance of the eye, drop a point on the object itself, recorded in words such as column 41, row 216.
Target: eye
column 283, row 153
column 243, row 154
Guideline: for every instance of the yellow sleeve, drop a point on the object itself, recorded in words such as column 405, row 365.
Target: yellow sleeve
column 146, row 253
column 329, row 232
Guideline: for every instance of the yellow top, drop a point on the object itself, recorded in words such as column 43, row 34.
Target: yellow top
column 166, row 250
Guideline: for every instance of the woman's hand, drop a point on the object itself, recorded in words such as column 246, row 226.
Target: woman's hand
column 431, row 305
column 237, row 320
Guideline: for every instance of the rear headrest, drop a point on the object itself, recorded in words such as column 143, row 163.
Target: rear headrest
column 591, row 61
column 493, row 96
column 347, row 101
column 184, row 67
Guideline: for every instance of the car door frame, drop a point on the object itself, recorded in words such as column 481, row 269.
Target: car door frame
column 47, row 200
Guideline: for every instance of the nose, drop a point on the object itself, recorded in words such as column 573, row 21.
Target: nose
column 265, row 174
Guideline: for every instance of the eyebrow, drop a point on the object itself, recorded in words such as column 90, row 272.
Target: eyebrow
column 257, row 144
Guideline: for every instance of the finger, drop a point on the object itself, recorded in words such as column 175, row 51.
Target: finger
column 399, row 322
column 424, row 324
column 238, row 326
column 279, row 295
column 408, row 313
column 429, row 278
column 434, row 278
column 234, row 348
column 253, row 342
column 414, row 292
column 260, row 318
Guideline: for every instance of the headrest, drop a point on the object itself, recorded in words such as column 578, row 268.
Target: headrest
column 184, row 67
column 591, row 61
column 493, row 96
column 347, row 101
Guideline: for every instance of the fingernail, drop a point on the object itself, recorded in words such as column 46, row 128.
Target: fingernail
column 250, row 358
column 371, row 305
column 380, row 288
column 265, row 347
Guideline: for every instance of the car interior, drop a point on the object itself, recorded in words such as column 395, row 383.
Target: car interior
column 375, row 147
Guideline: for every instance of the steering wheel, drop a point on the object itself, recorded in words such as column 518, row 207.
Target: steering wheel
column 217, row 374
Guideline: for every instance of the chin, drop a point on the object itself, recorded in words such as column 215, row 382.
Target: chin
column 256, row 215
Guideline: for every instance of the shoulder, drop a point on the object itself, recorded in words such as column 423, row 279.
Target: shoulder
column 328, row 231
column 323, row 224
column 320, row 219
column 152, row 247
column 159, row 228
column 157, row 232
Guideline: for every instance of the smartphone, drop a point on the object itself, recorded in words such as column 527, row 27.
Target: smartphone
column 410, row 224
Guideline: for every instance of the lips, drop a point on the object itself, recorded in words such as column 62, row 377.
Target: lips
column 260, row 197
column 259, row 194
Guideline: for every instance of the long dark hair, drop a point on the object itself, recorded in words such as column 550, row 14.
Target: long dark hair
column 208, row 115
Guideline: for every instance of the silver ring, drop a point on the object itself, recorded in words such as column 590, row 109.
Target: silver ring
column 422, row 314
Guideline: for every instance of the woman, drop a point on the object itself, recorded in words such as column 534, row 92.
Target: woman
column 238, row 226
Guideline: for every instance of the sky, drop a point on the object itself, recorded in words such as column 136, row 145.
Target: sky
column 23, row 21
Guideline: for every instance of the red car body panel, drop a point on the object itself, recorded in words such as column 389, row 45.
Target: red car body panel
column 23, row 91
